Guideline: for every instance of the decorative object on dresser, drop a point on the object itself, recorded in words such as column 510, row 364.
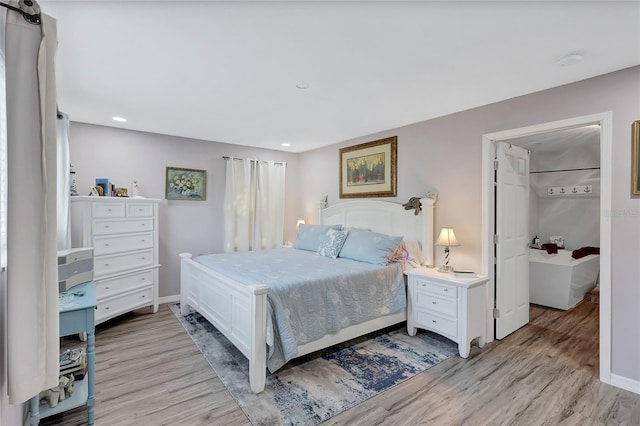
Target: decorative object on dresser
column 186, row 184
column 124, row 235
column 447, row 239
column 369, row 169
column 451, row 306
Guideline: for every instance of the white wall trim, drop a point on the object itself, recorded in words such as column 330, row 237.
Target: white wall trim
column 625, row 383
column 169, row 299
column 605, row 120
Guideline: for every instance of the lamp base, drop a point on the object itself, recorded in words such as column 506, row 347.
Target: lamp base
column 445, row 268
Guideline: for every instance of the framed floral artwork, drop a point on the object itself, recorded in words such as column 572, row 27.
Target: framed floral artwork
column 186, row 184
column 369, row 169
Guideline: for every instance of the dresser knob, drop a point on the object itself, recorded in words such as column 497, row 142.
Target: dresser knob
column 142, row 241
column 106, row 264
column 106, row 308
column 106, row 288
column 143, row 278
column 434, row 302
column 109, row 210
column 106, row 226
column 143, row 296
column 446, row 290
column 434, row 321
column 142, row 258
column 106, row 244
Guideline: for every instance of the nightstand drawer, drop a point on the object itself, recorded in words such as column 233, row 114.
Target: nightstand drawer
column 443, row 305
column 437, row 288
column 436, row 323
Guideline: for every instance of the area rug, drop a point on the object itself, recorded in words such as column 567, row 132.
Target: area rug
column 316, row 387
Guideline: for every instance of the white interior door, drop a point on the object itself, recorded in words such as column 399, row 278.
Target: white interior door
column 512, row 242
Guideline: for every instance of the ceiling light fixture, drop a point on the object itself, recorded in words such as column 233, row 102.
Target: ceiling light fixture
column 302, row 85
column 286, row 144
column 119, row 119
column 571, row 58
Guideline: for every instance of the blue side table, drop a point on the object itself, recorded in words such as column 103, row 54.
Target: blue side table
column 76, row 318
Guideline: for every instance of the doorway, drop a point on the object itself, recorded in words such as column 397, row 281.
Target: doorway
column 603, row 120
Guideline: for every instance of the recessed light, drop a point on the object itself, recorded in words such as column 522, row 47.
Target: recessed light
column 286, row 144
column 571, row 58
column 302, row 85
column 119, row 119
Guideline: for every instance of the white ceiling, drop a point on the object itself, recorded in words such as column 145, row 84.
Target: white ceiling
column 227, row 71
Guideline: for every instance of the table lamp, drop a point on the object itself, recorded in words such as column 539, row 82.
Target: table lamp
column 447, row 239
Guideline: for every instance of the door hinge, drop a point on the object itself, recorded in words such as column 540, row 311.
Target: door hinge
column 495, row 164
column 495, row 239
column 496, row 313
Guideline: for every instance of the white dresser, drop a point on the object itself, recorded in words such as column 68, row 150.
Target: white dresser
column 450, row 306
column 124, row 235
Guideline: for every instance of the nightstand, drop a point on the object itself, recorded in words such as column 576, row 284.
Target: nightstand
column 451, row 306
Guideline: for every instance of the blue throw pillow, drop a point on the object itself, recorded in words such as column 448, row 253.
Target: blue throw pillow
column 332, row 243
column 369, row 247
column 311, row 236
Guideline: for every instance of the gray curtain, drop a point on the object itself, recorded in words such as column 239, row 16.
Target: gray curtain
column 32, row 291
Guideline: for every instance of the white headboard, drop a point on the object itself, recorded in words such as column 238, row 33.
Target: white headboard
column 385, row 217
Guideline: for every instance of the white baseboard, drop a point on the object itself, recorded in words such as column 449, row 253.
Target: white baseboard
column 169, row 299
column 625, row 383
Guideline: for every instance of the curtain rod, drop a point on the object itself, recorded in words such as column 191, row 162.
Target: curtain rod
column 565, row 170
column 226, row 157
column 29, row 9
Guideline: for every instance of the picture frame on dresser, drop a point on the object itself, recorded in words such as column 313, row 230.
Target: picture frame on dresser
column 123, row 233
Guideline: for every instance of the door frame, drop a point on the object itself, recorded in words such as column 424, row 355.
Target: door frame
column 604, row 119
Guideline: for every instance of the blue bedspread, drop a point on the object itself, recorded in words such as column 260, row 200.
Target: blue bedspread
column 311, row 295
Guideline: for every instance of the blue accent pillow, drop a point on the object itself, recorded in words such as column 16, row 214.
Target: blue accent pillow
column 311, row 236
column 369, row 247
column 332, row 243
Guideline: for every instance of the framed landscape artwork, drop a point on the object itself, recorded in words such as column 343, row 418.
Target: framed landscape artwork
column 186, row 184
column 369, row 169
column 635, row 179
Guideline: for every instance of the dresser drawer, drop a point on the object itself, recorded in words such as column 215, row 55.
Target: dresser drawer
column 139, row 210
column 108, row 210
column 442, row 305
column 104, row 227
column 120, row 243
column 436, row 288
column 436, row 323
column 124, row 303
column 105, row 265
column 113, row 286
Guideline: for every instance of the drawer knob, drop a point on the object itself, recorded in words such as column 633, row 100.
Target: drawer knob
column 446, row 290
column 106, row 288
column 142, row 241
column 142, row 258
column 106, row 308
column 434, row 321
column 434, row 302
column 143, row 278
column 106, row 244
column 143, row 296
column 110, row 210
column 106, row 264
column 106, row 226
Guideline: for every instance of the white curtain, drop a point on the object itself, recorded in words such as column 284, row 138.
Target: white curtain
column 254, row 204
column 32, row 275
column 64, row 184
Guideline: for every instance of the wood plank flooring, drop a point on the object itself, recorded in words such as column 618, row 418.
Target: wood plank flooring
column 150, row 373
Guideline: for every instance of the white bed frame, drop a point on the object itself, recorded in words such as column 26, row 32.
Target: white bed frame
column 240, row 312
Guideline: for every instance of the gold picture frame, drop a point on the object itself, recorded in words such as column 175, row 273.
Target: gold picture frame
column 369, row 169
column 186, row 184
column 635, row 178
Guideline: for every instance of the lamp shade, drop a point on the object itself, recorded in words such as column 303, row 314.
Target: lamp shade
column 300, row 222
column 447, row 238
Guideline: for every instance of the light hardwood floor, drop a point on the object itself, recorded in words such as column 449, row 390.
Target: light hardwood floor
column 150, row 373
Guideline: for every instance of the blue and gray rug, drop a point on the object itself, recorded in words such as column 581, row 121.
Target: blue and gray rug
column 316, row 387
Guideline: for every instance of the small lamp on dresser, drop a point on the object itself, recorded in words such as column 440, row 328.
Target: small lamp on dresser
column 447, row 239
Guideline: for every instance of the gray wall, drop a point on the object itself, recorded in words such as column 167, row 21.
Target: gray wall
column 185, row 226
column 445, row 154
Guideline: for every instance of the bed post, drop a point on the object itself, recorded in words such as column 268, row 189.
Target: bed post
column 258, row 358
column 428, row 204
column 184, row 283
